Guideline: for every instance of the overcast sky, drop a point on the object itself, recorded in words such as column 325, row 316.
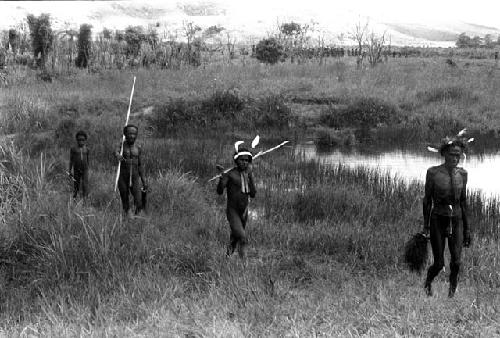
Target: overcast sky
column 485, row 12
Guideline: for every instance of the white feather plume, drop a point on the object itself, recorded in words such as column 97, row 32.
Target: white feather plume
column 237, row 144
column 255, row 141
column 434, row 150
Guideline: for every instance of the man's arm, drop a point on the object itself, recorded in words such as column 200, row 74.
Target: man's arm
column 140, row 169
column 427, row 200
column 117, row 153
column 251, row 185
column 463, row 206
column 70, row 160
column 224, row 179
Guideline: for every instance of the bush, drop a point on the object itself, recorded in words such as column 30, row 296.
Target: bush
column 41, row 36
column 272, row 112
column 269, row 51
column 326, row 137
column 364, row 112
column 134, row 36
column 223, row 102
column 223, row 110
column 84, row 44
column 173, row 117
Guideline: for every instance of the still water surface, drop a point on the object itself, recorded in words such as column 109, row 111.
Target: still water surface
column 483, row 169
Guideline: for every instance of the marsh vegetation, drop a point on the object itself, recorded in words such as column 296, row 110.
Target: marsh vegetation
column 325, row 250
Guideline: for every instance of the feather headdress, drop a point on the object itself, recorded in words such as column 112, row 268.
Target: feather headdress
column 243, row 151
column 459, row 140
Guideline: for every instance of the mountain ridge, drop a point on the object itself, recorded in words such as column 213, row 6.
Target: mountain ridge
column 243, row 27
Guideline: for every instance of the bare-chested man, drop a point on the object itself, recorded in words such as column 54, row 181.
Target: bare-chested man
column 239, row 183
column 131, row 171
column 445, row 213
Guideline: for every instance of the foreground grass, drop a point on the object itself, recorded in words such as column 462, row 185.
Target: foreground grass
column 325, row 258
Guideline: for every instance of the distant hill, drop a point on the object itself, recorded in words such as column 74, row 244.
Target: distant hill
column 443, row 32
column 244, row 25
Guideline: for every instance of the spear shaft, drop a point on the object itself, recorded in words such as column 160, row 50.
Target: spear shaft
column 123, row 136
column 260, row 153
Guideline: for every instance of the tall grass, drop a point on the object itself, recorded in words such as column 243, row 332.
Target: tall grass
column 423, row 89
column 322, row 227
column 325, row 247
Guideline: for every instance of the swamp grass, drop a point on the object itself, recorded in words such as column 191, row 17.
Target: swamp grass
column 429, row 98
column 325, row 252
column 330, row 239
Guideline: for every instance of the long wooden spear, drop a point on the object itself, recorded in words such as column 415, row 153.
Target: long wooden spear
column 123, row 137
column 260, row 153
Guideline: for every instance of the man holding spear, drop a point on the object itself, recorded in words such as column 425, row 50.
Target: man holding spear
column 130, row 166
column 131, row 171
column 240, row 185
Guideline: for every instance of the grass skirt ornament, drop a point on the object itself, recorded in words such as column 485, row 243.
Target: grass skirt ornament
column 416, row 252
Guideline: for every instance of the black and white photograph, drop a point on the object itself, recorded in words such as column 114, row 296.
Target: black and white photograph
column 250, row 168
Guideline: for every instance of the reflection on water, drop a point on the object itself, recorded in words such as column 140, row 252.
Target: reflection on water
column 410, row 166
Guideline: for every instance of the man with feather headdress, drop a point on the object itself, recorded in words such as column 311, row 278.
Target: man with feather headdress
column 239, row 183
column 445, row 210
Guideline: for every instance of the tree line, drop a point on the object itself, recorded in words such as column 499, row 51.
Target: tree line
column 487, row 41
column 35, row 43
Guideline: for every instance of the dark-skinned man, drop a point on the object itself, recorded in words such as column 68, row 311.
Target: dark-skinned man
column 131, row 170
column 445, row 212
column 239, row 183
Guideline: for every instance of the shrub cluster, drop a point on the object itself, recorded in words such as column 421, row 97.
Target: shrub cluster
column 363, row 112
column 327, row 137
column 269, row 51
column 223, row 110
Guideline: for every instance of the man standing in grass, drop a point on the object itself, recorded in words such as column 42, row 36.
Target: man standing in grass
column 445, row 212
column 79, row 164
column 130, row 171
column 239, row 183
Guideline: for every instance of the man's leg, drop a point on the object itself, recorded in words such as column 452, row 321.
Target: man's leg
column 437, row 244
column 123, row 189
column 85, row 183
column 136, row 192
column 76, row 183
column 237, row 236
column 243, row 243
column 455, row 243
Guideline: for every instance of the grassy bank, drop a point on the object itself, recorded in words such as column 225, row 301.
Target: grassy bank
column 325, row 257
column 325, row 246
column 404, row 101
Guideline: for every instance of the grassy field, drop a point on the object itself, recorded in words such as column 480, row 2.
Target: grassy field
column 325, row 243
